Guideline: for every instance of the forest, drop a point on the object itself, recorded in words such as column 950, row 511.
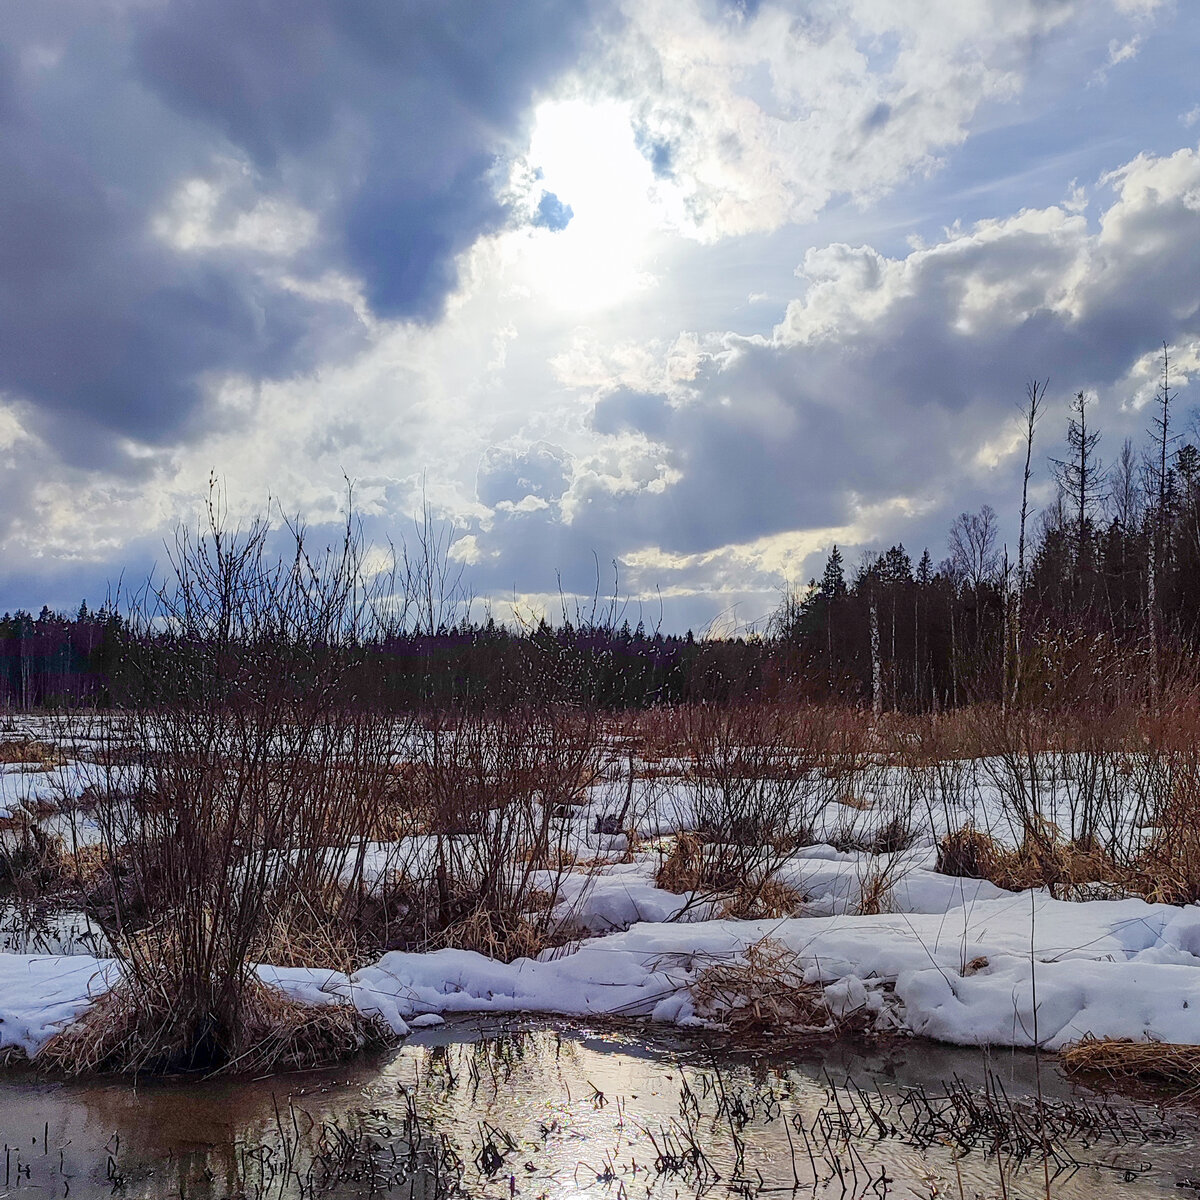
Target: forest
column 1108, row 571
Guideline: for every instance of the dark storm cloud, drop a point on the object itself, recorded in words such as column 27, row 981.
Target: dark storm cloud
column 626, row 409
column 412, row 100
column 382, row 119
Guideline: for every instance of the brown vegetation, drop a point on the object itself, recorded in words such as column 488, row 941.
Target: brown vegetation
column 1122, row 1058
column 31, row 753
column 135, row 1029
column 765, row 995
column 1067, row 870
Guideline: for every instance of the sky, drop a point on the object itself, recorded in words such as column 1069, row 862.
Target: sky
column 676, row 293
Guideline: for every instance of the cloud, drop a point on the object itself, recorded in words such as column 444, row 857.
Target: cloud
column 882, row 403
column 182, row 182
column 514, row 474
column 327, row 247
column 625, row 409
column 757, row 116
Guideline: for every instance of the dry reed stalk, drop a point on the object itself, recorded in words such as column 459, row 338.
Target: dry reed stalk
column 503, row 936
column 875, row 892
column 1123, row 1058
column 316, row 930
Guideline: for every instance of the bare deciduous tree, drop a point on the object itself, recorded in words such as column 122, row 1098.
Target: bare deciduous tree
column 973, row 553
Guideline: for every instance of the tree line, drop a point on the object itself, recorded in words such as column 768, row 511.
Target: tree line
column 1104, row 582
column 1106, row 578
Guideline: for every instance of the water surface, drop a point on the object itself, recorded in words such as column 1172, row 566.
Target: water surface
column 531, row 1111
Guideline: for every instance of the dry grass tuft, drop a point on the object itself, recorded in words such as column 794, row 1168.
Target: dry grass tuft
column 771, row 900
column 850, row 800
column 316, row 930
column 875, row 893
column 30, row 752
column 87, row 868
column 503, row 936
column 33, row 864
column 1066, row 869
column 694, row 865
column 123, row 1034
column 1122, row 1058
column 968, row 853
column 766, row 993
column 683, row 868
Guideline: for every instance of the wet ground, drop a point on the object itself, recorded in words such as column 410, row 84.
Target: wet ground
column 506, row 1111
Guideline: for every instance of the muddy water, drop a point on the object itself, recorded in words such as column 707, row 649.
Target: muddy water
column 537, row 1113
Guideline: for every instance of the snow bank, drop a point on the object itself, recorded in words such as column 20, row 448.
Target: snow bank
column 957, row 960
column 964, row 973
column 40, row 994
column 620, row 895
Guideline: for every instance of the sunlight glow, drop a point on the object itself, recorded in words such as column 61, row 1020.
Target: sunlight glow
column 586, row 156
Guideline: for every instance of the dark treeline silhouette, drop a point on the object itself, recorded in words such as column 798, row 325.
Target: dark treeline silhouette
column 54, row 661
column 1108, row 577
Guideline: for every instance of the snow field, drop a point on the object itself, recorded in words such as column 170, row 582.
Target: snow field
column 957, row 960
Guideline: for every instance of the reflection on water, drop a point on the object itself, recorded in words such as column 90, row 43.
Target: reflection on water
column 32, row 929
column 506, row 1112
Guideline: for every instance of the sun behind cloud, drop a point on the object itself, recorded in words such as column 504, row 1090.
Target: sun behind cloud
column 584, row 156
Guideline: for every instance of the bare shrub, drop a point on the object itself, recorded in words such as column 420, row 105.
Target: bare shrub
column 254, row 771
column 752, row 794
column 936, row 757
column 495, row 794
column 1169, row 867
column 849, row 750
column 889, row 836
